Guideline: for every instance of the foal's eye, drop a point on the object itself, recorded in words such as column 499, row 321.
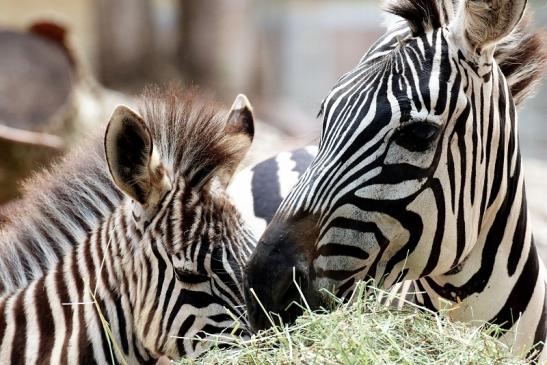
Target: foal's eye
column 417, row 136
column 190, row 277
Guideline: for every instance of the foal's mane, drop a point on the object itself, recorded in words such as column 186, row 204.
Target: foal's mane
column 188, row 132
column 62, row 204
column 521, row 56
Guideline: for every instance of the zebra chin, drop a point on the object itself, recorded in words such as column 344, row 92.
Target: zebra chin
column 277, row 277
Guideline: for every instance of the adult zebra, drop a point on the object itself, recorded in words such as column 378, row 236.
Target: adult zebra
column 164, row 264
column 418, row 176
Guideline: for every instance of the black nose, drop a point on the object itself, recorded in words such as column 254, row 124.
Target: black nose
column 279, row 303
column 276, row 280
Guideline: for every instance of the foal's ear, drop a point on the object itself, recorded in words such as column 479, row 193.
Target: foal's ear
column 134, row 164
column 240, row 131
column 481, row 24
column 240, row 121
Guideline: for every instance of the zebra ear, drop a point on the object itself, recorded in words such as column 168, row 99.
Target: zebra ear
column 481, row 24
column 240, row 131
column 240, row 119
column 133, row 163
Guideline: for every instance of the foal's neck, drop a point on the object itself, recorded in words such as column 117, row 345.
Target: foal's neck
column 81, row 310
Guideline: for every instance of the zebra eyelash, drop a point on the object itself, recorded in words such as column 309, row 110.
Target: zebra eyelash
column 414, row 121
column 190, row 277
column 417, row 135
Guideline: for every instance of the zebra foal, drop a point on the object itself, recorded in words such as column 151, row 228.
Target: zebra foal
column 165, row 265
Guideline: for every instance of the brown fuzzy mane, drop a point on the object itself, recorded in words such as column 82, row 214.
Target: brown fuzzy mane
column 522, row 58
column 189, row 134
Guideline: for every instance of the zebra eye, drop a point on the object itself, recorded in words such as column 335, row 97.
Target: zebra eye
column 190, row 277
column 417, row 136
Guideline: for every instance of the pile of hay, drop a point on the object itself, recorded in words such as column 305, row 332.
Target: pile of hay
column 367, row 332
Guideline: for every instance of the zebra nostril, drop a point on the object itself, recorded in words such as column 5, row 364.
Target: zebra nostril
column 293, row 287
column 257, row 318
column 288, row 296
column 283, row 302
column 276, row 275
column 290, row 304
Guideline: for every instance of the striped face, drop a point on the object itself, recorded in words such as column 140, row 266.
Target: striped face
column 396, row 167
column 193, row 254
column 414, row 150
column 187, row 242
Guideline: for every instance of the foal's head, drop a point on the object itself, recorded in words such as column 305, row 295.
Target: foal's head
column 187, row 242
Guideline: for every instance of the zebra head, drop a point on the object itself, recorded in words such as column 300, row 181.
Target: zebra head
column 188, row 242
column 415, row 148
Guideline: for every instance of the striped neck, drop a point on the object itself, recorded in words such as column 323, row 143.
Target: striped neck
column 62, row 317
column 501, row 278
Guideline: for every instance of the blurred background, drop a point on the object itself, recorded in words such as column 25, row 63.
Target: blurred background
column 64, row 64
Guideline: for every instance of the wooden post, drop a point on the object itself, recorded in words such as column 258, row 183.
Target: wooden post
column 47, row 101
column 217, row 46
column 126, row 46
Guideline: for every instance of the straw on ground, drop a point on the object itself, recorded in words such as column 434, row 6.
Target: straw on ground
column 367, row 332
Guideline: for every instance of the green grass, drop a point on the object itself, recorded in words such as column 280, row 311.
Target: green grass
column 367, row 332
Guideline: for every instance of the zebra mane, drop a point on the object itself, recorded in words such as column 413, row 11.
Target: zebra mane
column 189, row 134
column 59, row 207
column 421, row 15
column 62, row 204
column 521, row 56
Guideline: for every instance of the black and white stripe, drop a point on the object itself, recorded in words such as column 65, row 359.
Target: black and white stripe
column 259, row 189
column 58, row 210
column 418, row 177
column 163, row 269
